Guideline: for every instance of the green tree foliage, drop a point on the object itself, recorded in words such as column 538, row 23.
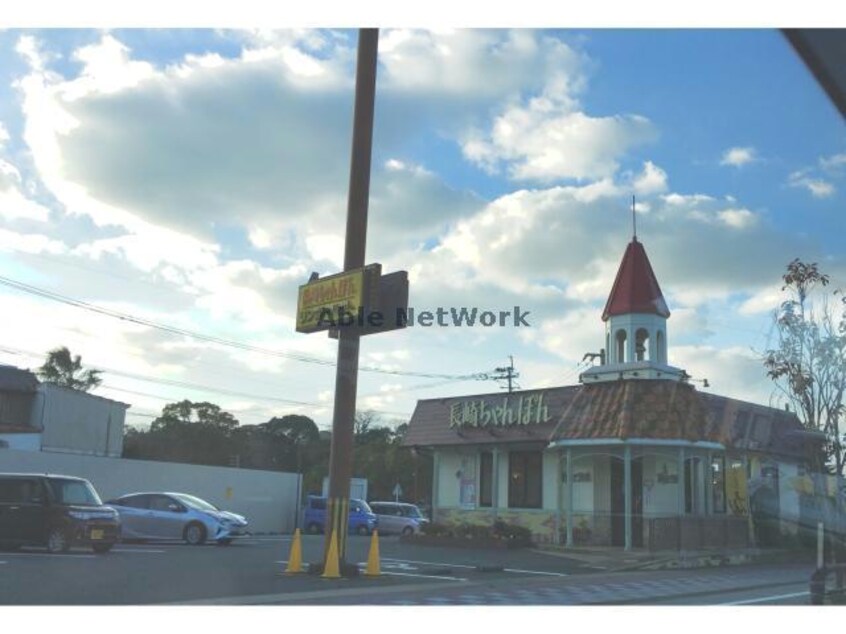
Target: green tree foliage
column 202, row 433
column 808, row 364
column 66, row 370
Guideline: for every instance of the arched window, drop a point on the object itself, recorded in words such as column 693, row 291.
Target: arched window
column 642, row 345
column 660, row 347
column 620, row 355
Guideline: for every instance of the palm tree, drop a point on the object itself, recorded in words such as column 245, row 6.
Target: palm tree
column 63, row 369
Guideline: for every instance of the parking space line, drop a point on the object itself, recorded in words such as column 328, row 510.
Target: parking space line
column 537, row 572
column 428, row 563
column 771, row 598
column 408, row 574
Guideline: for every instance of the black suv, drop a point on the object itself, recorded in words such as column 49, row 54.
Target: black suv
column 54, row 511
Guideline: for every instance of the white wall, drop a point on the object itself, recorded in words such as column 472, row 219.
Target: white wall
column 268, row 499
column 660, row 498
column 78, row 422
column 450, row 463
column 25, row 442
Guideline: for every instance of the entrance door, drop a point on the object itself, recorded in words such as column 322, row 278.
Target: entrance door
column 618, row 502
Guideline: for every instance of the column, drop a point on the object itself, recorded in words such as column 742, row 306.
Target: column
column 709, row 484
column 569, row 497
column 495, row 483
column 627, row 484
column 436, row 479
column 556, row 537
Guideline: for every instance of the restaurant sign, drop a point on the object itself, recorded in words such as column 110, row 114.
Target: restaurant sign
column 322, row 302
column 507, row 412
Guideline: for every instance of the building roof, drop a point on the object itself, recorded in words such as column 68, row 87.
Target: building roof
column 635, row 288
column 615, row 410
column 14, row 379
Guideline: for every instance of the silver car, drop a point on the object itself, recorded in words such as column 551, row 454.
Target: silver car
column 176, row 516
column 398, row 517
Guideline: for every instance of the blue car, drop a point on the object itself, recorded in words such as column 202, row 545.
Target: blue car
column 361, row 519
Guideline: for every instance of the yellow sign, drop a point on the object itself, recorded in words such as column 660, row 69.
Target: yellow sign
column 322, row 301
column 736, row 489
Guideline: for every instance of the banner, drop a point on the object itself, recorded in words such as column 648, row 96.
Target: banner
column 736, row 490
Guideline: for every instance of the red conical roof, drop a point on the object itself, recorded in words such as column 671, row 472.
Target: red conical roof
column 635, row 289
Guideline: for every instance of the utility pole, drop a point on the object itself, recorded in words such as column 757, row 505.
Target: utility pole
column 346, row 376
column 507, row 374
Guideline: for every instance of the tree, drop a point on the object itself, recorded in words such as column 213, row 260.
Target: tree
column 808, row 365
column 63, row 369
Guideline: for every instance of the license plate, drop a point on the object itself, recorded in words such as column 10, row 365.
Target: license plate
column 96, row 533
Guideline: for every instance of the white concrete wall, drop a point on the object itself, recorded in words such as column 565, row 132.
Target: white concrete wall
column 601, row 484
column 268, row 499
column 25, row 442
column 660, row 498
column 450, row 463
column 583, row 492
column 77, row 422
column 787, row 495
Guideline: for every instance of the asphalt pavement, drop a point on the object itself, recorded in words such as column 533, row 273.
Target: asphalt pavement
column 251, row 572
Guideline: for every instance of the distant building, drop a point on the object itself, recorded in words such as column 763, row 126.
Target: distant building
column 39, row 416
column 634, row 456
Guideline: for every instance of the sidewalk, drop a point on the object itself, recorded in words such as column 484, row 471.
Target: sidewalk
column 618, row 559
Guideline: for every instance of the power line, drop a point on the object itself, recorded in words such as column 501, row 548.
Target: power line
column 45, row 294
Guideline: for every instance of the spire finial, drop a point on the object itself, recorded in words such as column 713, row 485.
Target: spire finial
column 634, row 220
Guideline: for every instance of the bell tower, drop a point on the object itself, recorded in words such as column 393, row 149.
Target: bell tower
column 635, row 317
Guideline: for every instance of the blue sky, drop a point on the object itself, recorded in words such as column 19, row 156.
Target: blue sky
column 196, row 177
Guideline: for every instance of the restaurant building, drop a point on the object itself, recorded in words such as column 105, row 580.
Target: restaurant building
column 632, row 456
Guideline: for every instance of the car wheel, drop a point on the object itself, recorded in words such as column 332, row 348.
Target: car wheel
column 224, row 542
column 363, row 530
column 194, row 534
column 408, row 530
column 57, row 541
column 314, row 528
column 102, row 548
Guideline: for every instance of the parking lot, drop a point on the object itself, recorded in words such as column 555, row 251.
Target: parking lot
column 249, row 571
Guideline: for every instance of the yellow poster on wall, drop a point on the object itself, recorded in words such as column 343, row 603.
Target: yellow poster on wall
column 736, row 489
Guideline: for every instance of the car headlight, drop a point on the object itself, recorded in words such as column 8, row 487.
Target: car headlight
column 79, row 515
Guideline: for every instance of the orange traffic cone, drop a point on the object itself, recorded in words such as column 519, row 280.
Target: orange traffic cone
column 295, row 558
column 373, row 569
column 332, row 568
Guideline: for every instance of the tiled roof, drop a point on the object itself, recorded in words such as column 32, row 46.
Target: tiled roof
column 14, row 379
column 658, row 409
column 635, row 288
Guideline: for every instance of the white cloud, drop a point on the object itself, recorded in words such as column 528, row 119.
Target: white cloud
column 545, row 142
column 737, row 218
column 833, row 164
column 816, row 186
column 652, row 180
column 739, row 156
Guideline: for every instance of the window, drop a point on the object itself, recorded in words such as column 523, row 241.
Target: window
column 621, row 346
column 486, row 479
column 135, row 501
column 162, row 503
column 718, row 483
column 524, row 479
column 21, row 491
column 659, row 347
column 642, row 345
